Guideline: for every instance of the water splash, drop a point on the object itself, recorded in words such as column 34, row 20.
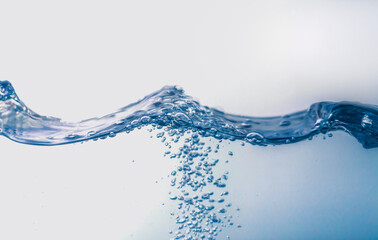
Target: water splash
column 171, row 107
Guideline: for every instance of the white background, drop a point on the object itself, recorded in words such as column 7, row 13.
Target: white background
column 81, row 59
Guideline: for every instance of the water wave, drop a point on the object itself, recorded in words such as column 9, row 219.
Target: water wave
column 171, row 107
column 203, row 205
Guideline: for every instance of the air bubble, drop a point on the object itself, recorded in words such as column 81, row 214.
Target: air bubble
column 366, row 121
column 254, row 138
column 285, row 123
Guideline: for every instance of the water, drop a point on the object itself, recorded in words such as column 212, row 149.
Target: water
column 171, row 107
column 216, row 187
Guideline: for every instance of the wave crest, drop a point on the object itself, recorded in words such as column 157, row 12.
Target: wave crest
column 171, row 107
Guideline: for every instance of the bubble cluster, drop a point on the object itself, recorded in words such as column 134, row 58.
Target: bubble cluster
column 198, row 189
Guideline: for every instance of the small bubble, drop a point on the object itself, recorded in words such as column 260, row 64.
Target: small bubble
column 222, row 210
column 91, row 133
column 366, row 121
column 72, row 136
column 145, row 119
column 284, row 123
column 254, row 138
column 159, row 135
column 209, row 208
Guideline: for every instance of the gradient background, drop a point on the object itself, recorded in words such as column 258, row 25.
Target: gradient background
column 80, row 59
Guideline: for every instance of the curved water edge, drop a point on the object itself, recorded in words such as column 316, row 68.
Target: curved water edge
column 171, row 107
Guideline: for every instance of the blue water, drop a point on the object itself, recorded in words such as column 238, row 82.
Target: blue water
column 209, row 201
column 171, row 107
